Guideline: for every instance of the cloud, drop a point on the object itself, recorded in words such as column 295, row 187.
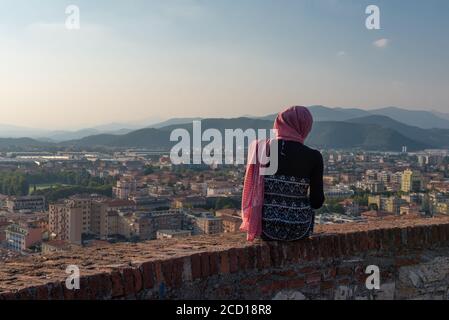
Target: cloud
column 381, row 43
column 341, row 53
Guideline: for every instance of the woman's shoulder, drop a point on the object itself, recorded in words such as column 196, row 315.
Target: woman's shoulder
column 302, row 150
column 313, row 152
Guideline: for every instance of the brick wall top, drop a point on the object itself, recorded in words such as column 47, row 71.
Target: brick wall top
column 115, row 270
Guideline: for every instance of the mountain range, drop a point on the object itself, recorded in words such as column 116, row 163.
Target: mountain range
column 386, row 129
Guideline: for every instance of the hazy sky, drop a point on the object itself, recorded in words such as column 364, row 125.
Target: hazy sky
column 135, row 60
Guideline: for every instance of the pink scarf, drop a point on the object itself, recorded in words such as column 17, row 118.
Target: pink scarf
column 293, row 124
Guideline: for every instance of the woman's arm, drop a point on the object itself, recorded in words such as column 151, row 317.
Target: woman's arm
column 316, row 183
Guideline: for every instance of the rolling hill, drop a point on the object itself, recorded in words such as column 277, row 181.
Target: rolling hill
column 322, row 113
column 325, row 134
column 421, row 119
column 345, row 135
column 346, row 129
column 435, row 138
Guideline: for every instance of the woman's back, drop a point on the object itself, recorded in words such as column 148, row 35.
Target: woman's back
column 292, row 193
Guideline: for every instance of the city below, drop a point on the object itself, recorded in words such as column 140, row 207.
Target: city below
column 60, row 201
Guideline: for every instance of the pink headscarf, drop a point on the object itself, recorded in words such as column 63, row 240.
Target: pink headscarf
column 293, row 124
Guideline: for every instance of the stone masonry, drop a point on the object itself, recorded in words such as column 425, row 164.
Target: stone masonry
column 412, row 256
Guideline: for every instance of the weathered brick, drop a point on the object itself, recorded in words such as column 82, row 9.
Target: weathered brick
column 178, row 269
column 293, row 252
column 275, row 253
column 306, row 270
column 117, row 284
column 336, row 250
column 307, row 249
column 265, row 256
column 326, row 285
column 313, row 277
column 196, row 266
column 42, row 292
column 406, row 261
column 224, row 262
column 159, row 275
column 352, row 243
column 272, row 266
column 359, row 274
column 205, row 264
column 342, row 244
column 56, row 291
column 233, row 260
column 378, row 237
column 166, row 267
column 83, row 292
column 69, row 294
column 344, row 271
column 277, row 285
column 100, row 286
column 404, row 233
column 397, row 234
column 242, row 256
column 138, row 282
column 329, row 273
column 25, row 294
column 343, row 281
column 128, row 281
column 147, row 269
column 252, row 256
column 359, row 238
column 315, row 252
column 8, row 296
column 250, row 281
column 214, row 263
column 286, row 273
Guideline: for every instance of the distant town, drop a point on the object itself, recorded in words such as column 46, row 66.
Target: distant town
column 58, row 201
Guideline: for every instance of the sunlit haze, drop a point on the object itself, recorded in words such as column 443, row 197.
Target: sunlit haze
column 137, row 61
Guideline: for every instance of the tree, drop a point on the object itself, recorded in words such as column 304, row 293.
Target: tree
column 225, row 203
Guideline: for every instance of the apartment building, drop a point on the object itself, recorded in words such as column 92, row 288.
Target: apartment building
column 389, row 204
column 22, row 236
column 231, row 219
column 207, row 224
column 124, row 188
column 74, row 217
column 143, row 225
column 26, row 203
column 411, row 181
column 220, row 189
column 171, row 234
column 55, row 246
column 189, row 202
column 442, row 208
column 3, row 225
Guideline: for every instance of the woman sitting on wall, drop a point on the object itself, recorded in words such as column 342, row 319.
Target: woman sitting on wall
column 281, row 206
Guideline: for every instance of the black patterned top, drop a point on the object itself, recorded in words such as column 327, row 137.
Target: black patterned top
column 287, row 214
column 292, row 194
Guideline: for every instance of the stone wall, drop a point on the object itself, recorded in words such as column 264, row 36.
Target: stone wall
column 412, row 256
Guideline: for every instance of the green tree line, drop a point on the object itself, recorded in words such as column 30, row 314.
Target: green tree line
column 13, row 184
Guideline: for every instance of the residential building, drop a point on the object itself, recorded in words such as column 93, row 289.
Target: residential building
column 189, row 202
column 207, row 224
column 72, row 218
column 26, row 203
column 411, row 181
column 53, row 246
column 231, row 219
column 170, row 234
column 124, row 187
column 22, row 236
